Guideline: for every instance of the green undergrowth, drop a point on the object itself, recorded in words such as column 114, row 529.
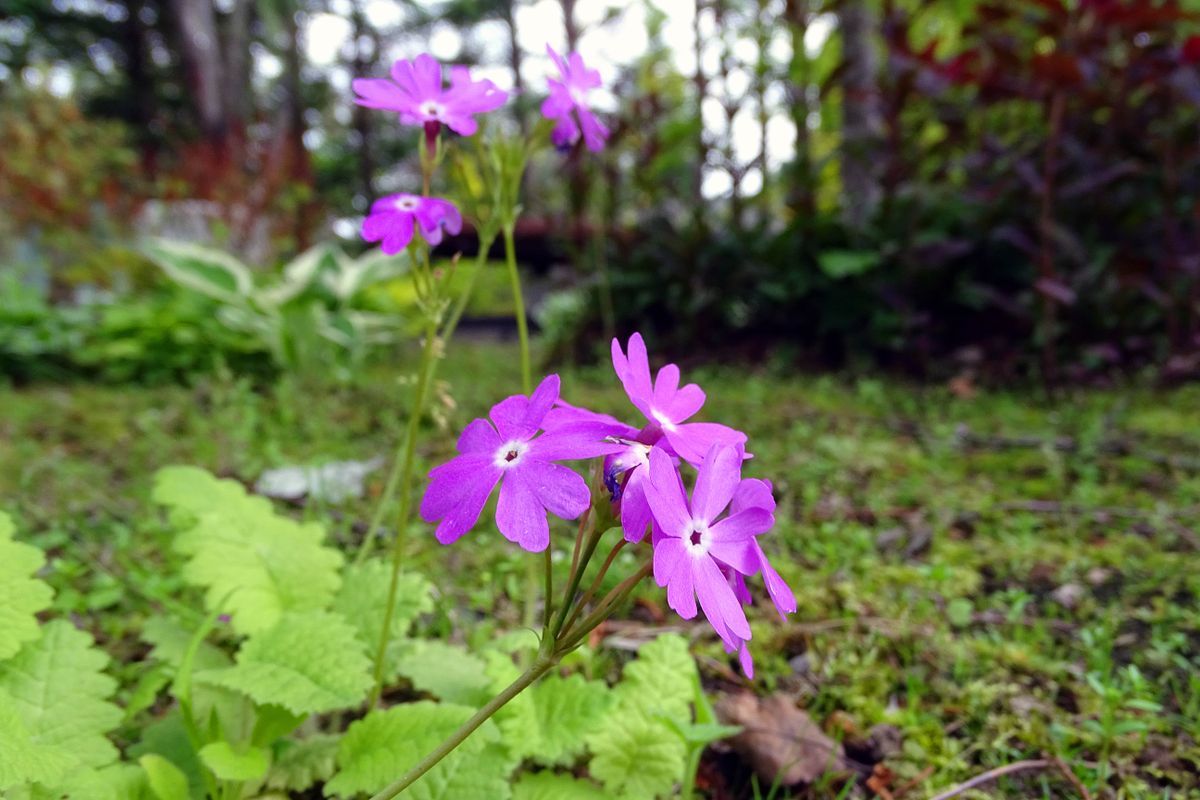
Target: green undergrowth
column 1000, row 577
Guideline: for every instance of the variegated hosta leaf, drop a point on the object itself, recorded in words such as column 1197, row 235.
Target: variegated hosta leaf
column 207, row 270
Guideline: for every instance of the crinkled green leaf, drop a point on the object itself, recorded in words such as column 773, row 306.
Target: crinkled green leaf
column 446, row 671
column 170, row 641
column 550, row 721
column 639, row 760
column 21, row 595
column 308, row 663
column 660, row 681
column 22, row 758
column 380, row 747
column 549, row 786
column 637, row 750
column 254, row 563
column 230, row 764
column 60, row 694
column 363, row 598
column 168, row 738
column 300, row 763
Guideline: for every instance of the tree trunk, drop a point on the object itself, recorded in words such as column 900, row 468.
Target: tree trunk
column 801, row 195
column 200, row 50
column 514, row 63
column 237, row 72
column 862, row 123
column 361, row 116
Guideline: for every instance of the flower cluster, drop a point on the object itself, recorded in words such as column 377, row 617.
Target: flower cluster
column 416, row 92
column 704, row 547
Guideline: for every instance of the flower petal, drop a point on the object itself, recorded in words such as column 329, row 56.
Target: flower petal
column 457, row 494
column 686, row 402
column 664, row 492
column 718, row 477
column 479, row 437
column 379, row 93
column 519, row 515
column 673, row 569
column 693, row 440
column 560, row 489
column 718, row 601
column 777, row 588
column 752, row 493
column 509, row 417
column 542, row 400
column 635, row 507
column 742, row 526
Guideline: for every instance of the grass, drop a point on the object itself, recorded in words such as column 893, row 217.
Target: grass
column 998, row 577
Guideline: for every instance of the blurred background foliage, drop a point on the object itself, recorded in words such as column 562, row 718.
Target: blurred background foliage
column 1007, row 189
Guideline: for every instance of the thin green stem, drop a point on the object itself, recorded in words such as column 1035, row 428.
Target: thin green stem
column 510, row 259
column 537, row 669
column 548, row 600
column 426, row 369
column 595, row 587
column 460, row 304
column 572, row 638
column 573, row 582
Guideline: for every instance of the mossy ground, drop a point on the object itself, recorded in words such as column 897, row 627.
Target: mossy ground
column 1000, row 577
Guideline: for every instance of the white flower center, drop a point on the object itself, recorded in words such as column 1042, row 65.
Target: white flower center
column 432, row 110
column 509, row 454
column 662, row 419
column 406, row 204
column 696, row 538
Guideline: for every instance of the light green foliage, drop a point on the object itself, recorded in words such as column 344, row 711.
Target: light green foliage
column 446, row 671
column 167, row 781
column 308, row 663
column 549, row 786
column 254, row 563
column 21, row 596
column 550, row 721
column 363, row 596
column 637, row 751
column 313, row 310
column 230, row 764
column 298, row 764
column 53, row 700
column 170, row 642
column 383, row 745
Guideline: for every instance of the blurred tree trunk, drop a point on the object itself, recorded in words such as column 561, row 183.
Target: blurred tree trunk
column 237, row 73
column 514, row 63
column 700, row 79
column 298, row 168
column 862, row 118
column 200, row 50
column 801, row 196
column 133, row 42
column 361, row 119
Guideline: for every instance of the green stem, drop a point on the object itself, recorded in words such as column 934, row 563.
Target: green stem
column 595, row 587
column 548, row 600
column 573, row 582
column 572, row 638
column 540, row 667
column 460, row 304
column 510, row 259
column 425, row 372
column 689, row 775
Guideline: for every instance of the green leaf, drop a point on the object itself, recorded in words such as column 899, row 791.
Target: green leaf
column 638, row 750
column 446, row 671
column 300, row 764
column 660, row 681
column 228, row 764
column 549, row 786
column 21, row 595
column 211, row 272
column 380, row 747
column 60, row 693
column 170, row 642
column 551, row 720
column 847, row 263
column 309, row 663
column 639, row 761
column 167, row 781
column 363, row 597
column 255, row 564
column 167, row 738
column 22, row 758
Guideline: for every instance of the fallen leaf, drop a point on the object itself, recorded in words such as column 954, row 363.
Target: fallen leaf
column 778, row 739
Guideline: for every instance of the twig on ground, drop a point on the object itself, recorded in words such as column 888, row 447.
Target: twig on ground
column 993, row 774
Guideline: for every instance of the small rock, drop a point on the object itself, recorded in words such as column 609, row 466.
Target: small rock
column 778, row 739
column 885, row 741
column 1098, row 576
column 889, row 539
column 334, row 482
column 1068, row 595
column 800, row 664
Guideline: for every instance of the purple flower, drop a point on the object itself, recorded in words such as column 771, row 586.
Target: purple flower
column 691, row 546
column 568, row 100
column 508, row 451
column 416, row 93
column 667, row 406
column 393, row 218
column 755, row 493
